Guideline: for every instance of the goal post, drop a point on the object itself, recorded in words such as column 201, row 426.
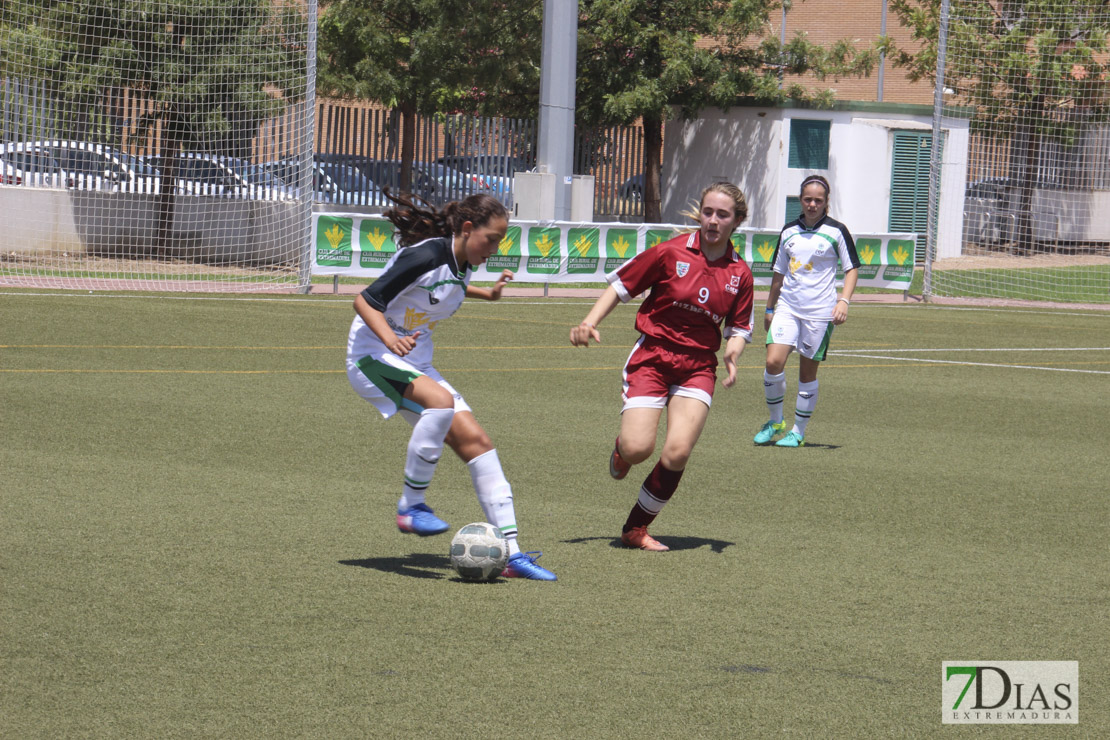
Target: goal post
column 156, row 144
column 1034, row 194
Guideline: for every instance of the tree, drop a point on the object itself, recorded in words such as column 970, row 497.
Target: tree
column 1033, row 71
column 640, row 59
column 431, row 56
column 208, row 68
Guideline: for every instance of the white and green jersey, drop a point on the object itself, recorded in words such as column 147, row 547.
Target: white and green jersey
column 420, row 286
column 807, row 259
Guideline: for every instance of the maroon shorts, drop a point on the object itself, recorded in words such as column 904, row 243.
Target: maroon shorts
column 654, row 372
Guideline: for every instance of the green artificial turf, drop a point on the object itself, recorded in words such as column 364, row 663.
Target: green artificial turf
column 197, row 532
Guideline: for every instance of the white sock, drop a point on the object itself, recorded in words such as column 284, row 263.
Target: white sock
column 424, row 450
column 495, row 495
column 803, row 410
column 774, row 389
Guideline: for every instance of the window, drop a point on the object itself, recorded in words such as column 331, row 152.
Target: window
column 793, row 208
column 809, row 144
column 909, row 183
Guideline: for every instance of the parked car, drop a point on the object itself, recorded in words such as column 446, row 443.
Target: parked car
column 88, row 166
column 386, row 173
column 453, row 184
column 31, row 168
column 349, row 186
column 8, row 174
column 332, row 182
column 221, row 176
column 497, row 170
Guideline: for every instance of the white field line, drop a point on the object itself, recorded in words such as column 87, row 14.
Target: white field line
column 865, row 354
column 982, row 349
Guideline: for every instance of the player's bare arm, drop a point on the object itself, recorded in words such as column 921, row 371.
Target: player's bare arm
column 733, row 349
column 580, row 335
column 840, row 311
column 493, row 293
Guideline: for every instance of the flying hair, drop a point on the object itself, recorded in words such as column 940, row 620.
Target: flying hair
column 419, row 221
column 725, row 188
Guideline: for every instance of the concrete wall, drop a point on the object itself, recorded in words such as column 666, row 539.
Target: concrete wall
column 749, row 145
column 720, row 145
column 37, row 219
column 224, row 230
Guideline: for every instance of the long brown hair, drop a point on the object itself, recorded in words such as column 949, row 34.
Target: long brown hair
column 419, row 222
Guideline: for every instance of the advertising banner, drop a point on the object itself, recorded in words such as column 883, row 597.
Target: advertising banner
column 564, row 252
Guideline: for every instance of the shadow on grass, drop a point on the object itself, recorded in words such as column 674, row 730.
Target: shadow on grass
column 675, row 543
column 416, row 565
column 806, row 446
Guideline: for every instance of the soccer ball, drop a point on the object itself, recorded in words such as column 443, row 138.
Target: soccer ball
column 479, row 552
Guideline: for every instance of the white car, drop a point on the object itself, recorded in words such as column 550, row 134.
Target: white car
column 86, row 166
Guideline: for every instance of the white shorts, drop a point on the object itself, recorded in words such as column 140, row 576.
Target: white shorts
column 808, row 336
column 382, row 381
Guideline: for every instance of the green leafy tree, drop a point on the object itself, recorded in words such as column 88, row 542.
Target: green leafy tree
column 208, row 68
column 424, row 57
column 1034, row 72
column 641, row 59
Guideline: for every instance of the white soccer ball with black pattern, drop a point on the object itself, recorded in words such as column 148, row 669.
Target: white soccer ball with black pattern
column 479, row 552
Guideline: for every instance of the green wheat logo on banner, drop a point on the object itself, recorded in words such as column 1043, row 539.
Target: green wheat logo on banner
column 763, row 251
column 869, row 252
column 583, row 252
column 544, row 254
column 620, row 246
column 333, row 241
column 899, row 261
column 508, row 253
column 739, row 242
column 375, row 241
column 656, row 236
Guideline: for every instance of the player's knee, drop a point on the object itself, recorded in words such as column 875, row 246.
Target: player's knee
column 439, row 398
column 636, row 451
column 675, row 458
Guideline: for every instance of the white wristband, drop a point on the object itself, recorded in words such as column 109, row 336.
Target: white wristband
column 846, row 301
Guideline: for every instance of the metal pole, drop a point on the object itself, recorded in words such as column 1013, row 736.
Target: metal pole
column 934, row 153
column 882, row 57
column 308, row 125
column 558, row 70
column 782, row 43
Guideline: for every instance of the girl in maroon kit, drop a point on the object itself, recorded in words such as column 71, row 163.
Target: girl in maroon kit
column 697, row 283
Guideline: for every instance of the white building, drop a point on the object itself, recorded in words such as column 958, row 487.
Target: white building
column 875, row 156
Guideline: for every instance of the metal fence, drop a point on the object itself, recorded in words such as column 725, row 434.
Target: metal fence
column 454, row 155
column 492, row 148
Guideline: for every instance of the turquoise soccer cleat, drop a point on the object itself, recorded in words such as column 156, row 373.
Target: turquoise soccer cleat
column 792, row 439
column 768, row 431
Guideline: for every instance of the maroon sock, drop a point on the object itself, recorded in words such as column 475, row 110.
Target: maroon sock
column 657, row 490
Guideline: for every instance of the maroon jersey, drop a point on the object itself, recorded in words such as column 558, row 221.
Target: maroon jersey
column 690, row 296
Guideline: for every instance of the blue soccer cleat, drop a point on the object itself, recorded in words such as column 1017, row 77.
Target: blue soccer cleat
column 792, row 439
column 523, row 565
column 420, row 520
